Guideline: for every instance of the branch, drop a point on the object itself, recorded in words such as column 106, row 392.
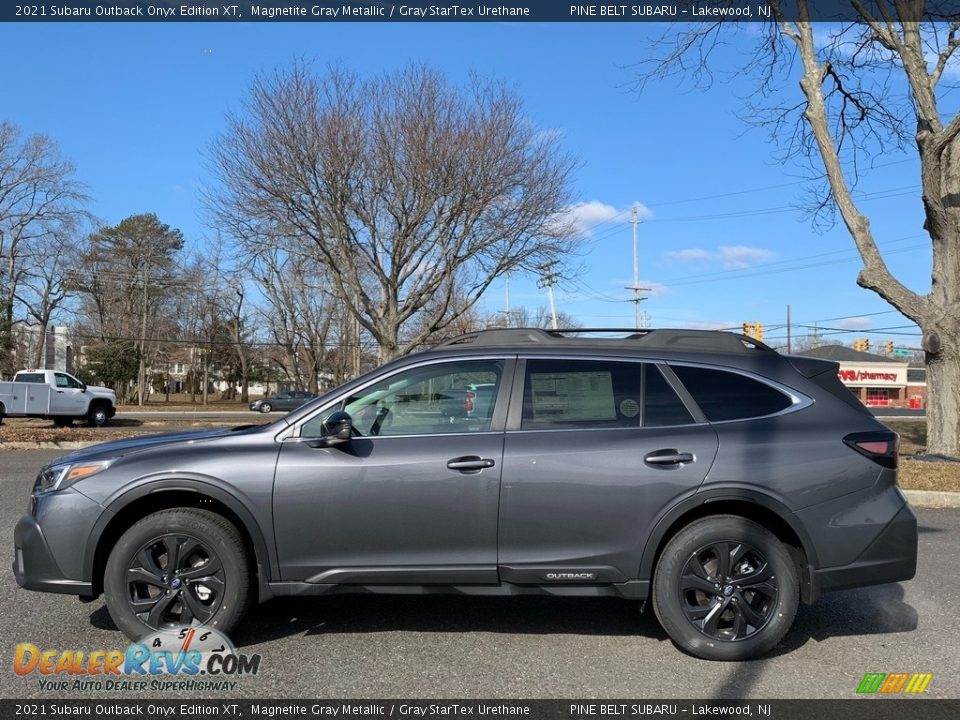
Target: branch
column 943, row 57
column 875, row 274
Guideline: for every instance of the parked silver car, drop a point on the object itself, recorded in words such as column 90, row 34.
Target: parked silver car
column 286, row 401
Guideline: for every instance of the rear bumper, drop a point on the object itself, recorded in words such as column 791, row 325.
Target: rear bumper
column 34, row 565
column 891, row 557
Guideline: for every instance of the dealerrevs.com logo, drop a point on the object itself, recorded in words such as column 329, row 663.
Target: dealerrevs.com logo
column 894, row 683
column 186, row 659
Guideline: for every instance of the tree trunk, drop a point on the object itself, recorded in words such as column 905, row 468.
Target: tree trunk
column 943, row 401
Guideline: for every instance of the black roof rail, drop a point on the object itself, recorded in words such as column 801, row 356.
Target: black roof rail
column 654, row 338
column 501, row 336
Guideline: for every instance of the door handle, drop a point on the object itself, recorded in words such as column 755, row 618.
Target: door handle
column 668, row 457
column 470, row 462
column 59, row 392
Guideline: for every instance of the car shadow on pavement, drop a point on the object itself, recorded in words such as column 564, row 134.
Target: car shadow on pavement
column 877, row 610
column 869, row 611
column 445, row 614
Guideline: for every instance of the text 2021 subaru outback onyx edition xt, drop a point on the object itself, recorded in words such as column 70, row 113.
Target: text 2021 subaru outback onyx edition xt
column 701, row 470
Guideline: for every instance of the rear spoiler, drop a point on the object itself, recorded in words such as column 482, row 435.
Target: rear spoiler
column 825, row 374
column 811, row 367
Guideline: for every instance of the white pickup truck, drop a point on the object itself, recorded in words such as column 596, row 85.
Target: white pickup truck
column 58, row 396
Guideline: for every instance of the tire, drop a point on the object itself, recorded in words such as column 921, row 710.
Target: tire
column 210, row 585
column 97, row 417
column 62, row 422
column 266, row 407
column 757, row 596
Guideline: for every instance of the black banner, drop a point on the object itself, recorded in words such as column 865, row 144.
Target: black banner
column 858, row 709
column 447, row 11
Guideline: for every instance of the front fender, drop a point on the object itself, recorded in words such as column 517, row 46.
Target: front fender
column 190, row 483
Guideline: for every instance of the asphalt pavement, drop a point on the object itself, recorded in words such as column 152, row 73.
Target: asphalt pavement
column 437, row 646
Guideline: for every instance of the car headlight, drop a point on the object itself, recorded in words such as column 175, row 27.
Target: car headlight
column 57, row 477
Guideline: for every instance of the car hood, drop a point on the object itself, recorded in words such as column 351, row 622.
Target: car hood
column 128, row 446
column 99, row 389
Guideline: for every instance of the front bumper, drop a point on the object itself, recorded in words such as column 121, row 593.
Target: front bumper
column 34, row 565
column 891, row 557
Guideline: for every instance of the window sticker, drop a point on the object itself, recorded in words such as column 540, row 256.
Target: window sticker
column 573, row 396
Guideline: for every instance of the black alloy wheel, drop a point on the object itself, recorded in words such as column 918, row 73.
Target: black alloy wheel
column 175, row 580
column 728, row 590
column 178, row 567
column 725, row 588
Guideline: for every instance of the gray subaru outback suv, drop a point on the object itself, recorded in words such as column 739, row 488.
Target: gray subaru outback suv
column 701, row 471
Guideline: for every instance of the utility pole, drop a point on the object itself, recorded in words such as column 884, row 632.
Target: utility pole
column 506, row 307
column 142, row 371
column 788, row 329
column 637, row 320
column 549, row 278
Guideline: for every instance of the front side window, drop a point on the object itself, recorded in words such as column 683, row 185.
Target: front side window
column 454, row 397
column 725, row 395
column 567, row 394
column 65, row 381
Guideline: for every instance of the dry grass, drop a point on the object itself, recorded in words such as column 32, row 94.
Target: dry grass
column 917, row 475
column 36, row 430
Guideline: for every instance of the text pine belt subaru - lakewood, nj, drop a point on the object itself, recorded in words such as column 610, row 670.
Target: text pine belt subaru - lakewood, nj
column 699, row 470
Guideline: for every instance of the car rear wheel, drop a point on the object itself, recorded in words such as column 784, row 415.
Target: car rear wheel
column 174, row 568
column 265, row 407
column 725, row 588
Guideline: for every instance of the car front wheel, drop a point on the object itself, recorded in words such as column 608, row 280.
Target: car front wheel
column 266, row 407
column 174, row 568
column 725, row 588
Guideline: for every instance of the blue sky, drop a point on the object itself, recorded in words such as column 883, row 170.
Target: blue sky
column 136, row 105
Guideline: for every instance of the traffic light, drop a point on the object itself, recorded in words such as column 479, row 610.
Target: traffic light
column 889, row 347
column 866, row 344
column 758, row 331
column 858, row 345
column 748, row 329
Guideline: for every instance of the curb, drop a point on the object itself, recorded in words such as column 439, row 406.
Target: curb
column 933, row 498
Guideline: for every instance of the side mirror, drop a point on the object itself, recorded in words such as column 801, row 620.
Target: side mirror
column 337, row 429
column 83, row 386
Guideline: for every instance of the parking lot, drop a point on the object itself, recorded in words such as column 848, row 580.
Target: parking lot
column 381, row 646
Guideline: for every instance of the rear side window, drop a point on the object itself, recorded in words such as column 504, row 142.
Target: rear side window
column 563, row 394
column 661, row 405
column 30, row 378
column 725, row 395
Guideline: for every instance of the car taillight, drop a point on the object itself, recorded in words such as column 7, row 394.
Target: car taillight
column 468, row 398
column 881, row 447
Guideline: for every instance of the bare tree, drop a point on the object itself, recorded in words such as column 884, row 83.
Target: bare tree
column 38, row 196
column 46, row 285
column 864, row 85
column 411, row 192
column 297, row 314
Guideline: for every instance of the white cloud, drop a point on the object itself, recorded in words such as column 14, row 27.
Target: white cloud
column 731, row 257
column 688, row 255
column 586, row 216
column 737, row 257
column 654, row 289
column 856, row 323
